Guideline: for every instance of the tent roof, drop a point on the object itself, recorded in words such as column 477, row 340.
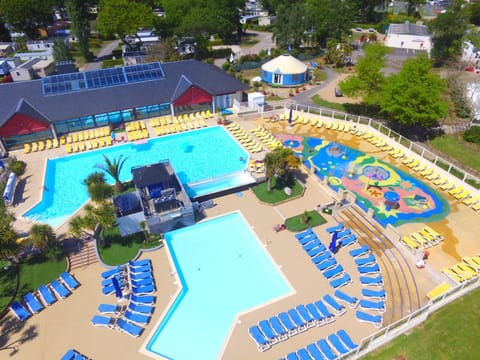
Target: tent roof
column 286, row 64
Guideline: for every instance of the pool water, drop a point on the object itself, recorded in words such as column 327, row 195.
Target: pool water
column 197, row 156
column 224, row 270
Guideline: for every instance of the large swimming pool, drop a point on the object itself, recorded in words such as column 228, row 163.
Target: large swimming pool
column 206, row 160
column 224, row 271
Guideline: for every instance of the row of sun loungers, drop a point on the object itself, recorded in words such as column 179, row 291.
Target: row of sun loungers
column 186, row 122
column 135, row 126
column 46, row 295
column 266, row 137
column 423, row 238
column 88, row 145
column 336, row 344
column 40, row 145
column 85, row 135
column 73, row 355
column 257, row 166
column 138, row 135
column 247, row 141
column 466, row 269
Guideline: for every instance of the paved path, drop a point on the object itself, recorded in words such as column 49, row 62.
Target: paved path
column 304, row 97
column 104, row 53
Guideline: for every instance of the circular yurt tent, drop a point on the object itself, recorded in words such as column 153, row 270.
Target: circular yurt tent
column 285, row 70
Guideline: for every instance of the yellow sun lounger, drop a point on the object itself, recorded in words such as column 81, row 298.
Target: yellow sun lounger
column 456, row 190
column 471, row 200
column 412, row 245
column 464, row 270
column 421, row 240
column 453, row 275
column 440, row 181
column 472, row 263
column 433, row 176
column 438, row 291
column 420, row 168
column 413, row 164
column 426, row 172
column 463, row 195
column 408, row 160
column 476, row 206
column 433, row 232
column 26, row 148
column 449, row 185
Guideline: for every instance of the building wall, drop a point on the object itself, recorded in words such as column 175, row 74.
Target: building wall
column 20, row 74
column 284, row 79
column 411, row 42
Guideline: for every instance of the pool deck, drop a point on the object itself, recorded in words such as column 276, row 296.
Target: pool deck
column 66, row 324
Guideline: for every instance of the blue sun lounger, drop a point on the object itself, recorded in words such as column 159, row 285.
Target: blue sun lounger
column 376, row 294
column 109, row 309
column 363, row 250
column 278, row 328
column 344, row 233
column 372, row 269
column 69, row 280
column 141, row 276
column 333, row 272
column 129, row 328
column 110, row 289
column 346, row 339
column 366, row 317
column 309, row 238
column 303, row 312
column 316, row 250
column 143, row 290
column 337, row 344
column 99, row 320
column 337, row 308
column 303, row 354
column 319, row 318
column 109, row 282
column 143, row 282
column 361, row 261
column 349, row 240
column 312, row 244
column 46, row 295
column 302, row 234
column 112, row 272
column 297, row 320
column 287, row 323
column 135, row 317
column 268, row 331
column 59, row 289
column 377, row 281
column 143, row 309
column 327, row 264
column 259, row 338
column 146, row 299
column 33, row 304
column 326, row 349
column 140, row 269
column 73, row 355
column 329, row 317
column 314, row 352
column 139, row 263
column 338, row 227
column 321, row 257
column 19, row 311
column 352, row 301
column 373, row 305
column 341, row 281
column 292, row 356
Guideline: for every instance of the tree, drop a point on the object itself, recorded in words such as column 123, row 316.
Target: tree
column 43, row 236
column 369, row 79
column 337, row 53
column 122, row 18
column 279, row 162
column 76, row 226
column 412, row 7
column 97, row 187
column 60, row 51
column 113, row 168
column 365, row 10
column 78, row 13
column 4, row 33
column 27, row 15
column 291, row 24
column 102, row 214
column 414, row 95
column 475, row 13
column 8, row 235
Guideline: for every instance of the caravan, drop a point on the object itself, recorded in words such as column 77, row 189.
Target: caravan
column 9, row 192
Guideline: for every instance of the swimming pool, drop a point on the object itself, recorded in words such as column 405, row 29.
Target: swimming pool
column 224, row 270
column 203, row 155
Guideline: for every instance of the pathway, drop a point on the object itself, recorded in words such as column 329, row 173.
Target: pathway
column 102, row 55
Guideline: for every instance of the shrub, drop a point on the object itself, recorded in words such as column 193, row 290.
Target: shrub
column 472, row 135
column 18, row 167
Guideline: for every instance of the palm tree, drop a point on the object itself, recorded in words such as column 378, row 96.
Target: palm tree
column 113, row 168
column 42, row 236
column 271, row 161
column 279, row 162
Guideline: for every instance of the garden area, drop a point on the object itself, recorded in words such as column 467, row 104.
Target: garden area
column 307, row 219
column 277, row 193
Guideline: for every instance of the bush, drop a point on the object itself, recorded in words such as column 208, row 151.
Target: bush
column 18, row 167
column 472, row 135
column 220, row 53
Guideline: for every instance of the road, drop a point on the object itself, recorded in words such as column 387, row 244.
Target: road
column 103, row 53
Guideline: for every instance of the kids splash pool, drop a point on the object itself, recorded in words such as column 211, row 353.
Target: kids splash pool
column 224, row 270
column 206, row 161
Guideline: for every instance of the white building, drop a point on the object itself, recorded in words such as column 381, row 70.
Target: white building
column 33, row 69
column 409, row 36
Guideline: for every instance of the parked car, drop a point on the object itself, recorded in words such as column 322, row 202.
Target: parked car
column 338, row 92
column 372, row 30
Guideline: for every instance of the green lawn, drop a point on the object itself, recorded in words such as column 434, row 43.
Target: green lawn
column 465, row 152
column 121, row 249
column 277, row 194
column 324, row 103
column 450, row 333
column 294, row 224
column 7, row 283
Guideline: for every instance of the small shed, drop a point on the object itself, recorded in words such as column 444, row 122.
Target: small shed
column 285, row 70
column 255, row 99
column 409, row 37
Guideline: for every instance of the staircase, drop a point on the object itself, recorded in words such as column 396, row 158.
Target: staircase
column 80, row 253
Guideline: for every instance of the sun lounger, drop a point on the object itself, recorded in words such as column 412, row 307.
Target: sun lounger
column 46, row 295
column 321, row 257
column 142, row 309
column 141, row 276
column 364, row 250
column 146, row 300
column 440, row 181
column 277, row 326
column 73, row 355
column 337, row 308
column 292, row 356
column 308, row 238
column 327, row 264
column 326, row 349
column 361, row 261
column 343, row 233
column 287, row 323
column 140, row 269
column 303, row 312
column 463, row 195
column 143, row 290
column 268, row 331
column 314, row 352
column 312, row 244
column 137, row 318
column 421, row 240
column 303, row 354
column 319, row 318
column 438, row 291
column 109, row 309
column 428, row 236
column 349, row 240
column 33, row 304
column 335, row 228
column 112, row 272
column 413, row 163
column 461, row 266
column 472, row 263
column 143, row 282
column 375, row 294
column 297, row 320
column 337, row 344
column 69, row 280
column 433, row 232
column 456, row 190
column 19, row 311
column 453, row 275
column 259, row 338
column 365, row 280
column 411, row 244
column 341, row 281
column 99, row 320
column 333, row 272
column 372, row 269
column 302, row 234
column 352, row 301
column 471, row 200
column 138, row 263
column 129, row 328
column 59, row 289
column 447, row 186
column 373, row 305
column 329, row 317
column 366, row 317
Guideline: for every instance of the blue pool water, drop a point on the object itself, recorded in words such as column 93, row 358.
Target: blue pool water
column 224, row 270
column 196, row 156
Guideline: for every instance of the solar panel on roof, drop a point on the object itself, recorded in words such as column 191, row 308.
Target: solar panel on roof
column 60, row 84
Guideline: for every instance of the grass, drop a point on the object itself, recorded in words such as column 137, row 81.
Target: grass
column 277, row 194
column 324, row 103
column 449, row 333
column 295, row 224
column 456, row 148
column 7, row 283
column 118, row 250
